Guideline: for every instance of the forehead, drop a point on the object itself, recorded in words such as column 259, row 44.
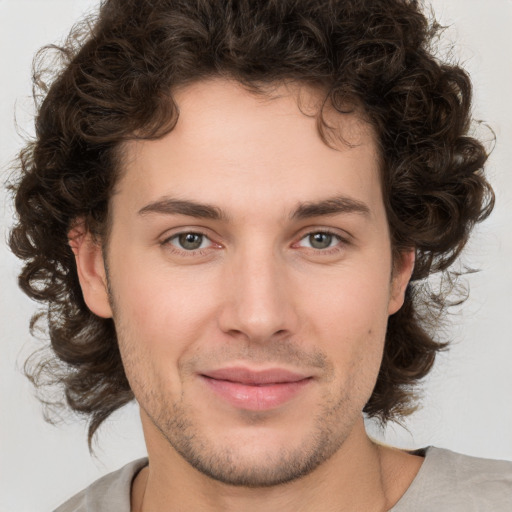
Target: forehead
column 232, row 144
column 228, row 109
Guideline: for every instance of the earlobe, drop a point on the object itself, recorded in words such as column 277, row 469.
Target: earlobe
column 401, row 276
column 91, row 270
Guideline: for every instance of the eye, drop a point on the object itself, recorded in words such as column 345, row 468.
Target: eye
column 190, row 241
column 320, row 240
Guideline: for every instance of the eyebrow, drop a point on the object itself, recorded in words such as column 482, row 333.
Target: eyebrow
column 330, row 206
column 170, row 206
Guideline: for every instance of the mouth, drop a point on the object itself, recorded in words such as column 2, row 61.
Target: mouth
column 256, row 390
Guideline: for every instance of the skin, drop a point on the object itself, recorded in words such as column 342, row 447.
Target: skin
column 273, row 284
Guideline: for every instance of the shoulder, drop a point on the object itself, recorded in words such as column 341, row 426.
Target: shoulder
column 110, row 492
column 467, row 466
column 449, row 481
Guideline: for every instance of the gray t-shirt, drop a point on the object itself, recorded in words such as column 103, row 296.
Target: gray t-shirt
column 446, row 482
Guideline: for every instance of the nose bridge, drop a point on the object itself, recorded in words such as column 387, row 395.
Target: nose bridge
column 258, row 304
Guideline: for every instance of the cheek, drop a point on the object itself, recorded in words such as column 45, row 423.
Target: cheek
column 161, row 319
column 351, row 321
column 157, row 298
column 355, row 304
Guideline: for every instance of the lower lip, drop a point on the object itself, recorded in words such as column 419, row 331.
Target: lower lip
column 256, row 398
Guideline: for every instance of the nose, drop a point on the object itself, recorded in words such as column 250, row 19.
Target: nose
column 258, row 304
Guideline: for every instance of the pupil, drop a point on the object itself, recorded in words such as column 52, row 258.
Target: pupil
column 191, row 241
column 320, row 240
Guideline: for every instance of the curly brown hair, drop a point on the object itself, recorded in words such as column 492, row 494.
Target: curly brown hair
column 116, row 84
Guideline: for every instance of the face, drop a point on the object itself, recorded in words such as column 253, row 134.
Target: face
column 250, row 280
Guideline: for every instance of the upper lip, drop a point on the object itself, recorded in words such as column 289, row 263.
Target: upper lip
column 255, row 377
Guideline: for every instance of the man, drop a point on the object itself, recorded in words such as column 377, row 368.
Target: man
column 229, row 209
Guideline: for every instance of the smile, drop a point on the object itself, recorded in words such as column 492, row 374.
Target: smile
column 256, row 390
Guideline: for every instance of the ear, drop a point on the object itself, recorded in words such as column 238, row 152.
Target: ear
column 91, row 270
column 402, row 272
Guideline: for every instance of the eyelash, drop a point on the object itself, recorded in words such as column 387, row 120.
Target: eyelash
column 341, row 241
column 183, row 252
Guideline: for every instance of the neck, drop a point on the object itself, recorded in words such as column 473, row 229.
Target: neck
column 361, row 475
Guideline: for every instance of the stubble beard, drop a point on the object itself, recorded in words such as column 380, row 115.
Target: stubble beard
column 224, row 464
column 331, row 426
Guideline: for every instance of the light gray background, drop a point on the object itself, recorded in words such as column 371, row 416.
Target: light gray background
column 467, row 405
